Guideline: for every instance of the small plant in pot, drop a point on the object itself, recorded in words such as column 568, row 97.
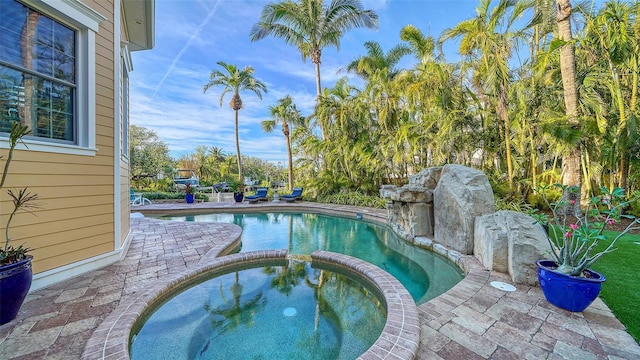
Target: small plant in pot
column 238, row 195
column 15, row 262
column 566, row 280
column 189, row 192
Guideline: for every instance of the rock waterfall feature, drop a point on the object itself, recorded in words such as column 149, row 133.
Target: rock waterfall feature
column 451, row 208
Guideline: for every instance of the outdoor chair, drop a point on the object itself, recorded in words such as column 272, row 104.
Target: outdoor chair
column 136, row 199
column 296, row 194
column 260, row 195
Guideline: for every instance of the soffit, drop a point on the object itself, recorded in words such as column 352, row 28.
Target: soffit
column 139, row 19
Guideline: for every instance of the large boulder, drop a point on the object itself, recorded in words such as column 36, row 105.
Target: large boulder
column 462, row 194
column 510, row 242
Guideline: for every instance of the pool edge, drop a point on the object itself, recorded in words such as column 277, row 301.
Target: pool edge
column 399, row 338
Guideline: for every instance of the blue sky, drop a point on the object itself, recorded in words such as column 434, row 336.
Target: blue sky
column 193, row 35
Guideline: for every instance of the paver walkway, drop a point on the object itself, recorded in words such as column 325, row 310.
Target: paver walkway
column 471, row 321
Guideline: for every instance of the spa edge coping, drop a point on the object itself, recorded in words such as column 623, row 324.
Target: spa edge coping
column 399, row 338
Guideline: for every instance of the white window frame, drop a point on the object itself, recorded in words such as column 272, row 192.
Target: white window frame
column 127, row 67
column 86, row 23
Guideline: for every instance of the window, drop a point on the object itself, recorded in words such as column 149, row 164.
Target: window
column 125, row 107
column 47, row 65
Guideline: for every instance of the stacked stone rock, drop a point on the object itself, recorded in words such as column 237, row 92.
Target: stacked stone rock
column 452, row 207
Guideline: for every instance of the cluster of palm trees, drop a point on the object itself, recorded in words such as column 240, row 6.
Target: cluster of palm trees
column 506, row 107
column 309, row 25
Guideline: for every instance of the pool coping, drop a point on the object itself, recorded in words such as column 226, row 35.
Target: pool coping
column 399, row 338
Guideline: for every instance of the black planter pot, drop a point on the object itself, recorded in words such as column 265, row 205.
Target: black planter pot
column 238, row 196
column 15, row 281
column 573, row 293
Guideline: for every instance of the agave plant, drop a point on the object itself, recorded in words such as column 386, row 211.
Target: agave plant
column 22, row 200
column 573, row 238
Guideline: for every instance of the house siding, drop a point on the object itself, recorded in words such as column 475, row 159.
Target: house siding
column 77, row 218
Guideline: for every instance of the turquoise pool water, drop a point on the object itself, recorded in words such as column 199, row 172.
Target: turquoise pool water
column 293, row 311
column 424, row 273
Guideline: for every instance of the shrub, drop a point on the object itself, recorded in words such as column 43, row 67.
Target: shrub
column 355, row 199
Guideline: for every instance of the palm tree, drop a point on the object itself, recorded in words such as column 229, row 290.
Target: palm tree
column 610, row 35
column 377, row 60
column 421, row 46
column 310, row 26
column 235, row 80
column 488, row 39
column 571, row 162
column 284, row 113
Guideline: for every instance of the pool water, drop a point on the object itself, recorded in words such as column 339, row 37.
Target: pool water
column 423, row 273
column 293, row 311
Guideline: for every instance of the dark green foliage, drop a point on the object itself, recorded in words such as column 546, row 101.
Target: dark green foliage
column 514, row 205
column 355, row 199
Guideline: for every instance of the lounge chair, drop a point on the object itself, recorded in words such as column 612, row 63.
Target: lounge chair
column 296, row 194
column 260, row 195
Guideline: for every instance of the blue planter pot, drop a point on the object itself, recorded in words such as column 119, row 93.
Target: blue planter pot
column 189, row 198
column 572, row 293
column 238, row 196
column 15, row 281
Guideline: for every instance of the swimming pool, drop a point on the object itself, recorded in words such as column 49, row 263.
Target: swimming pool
column 424, row 273
column 277, row 311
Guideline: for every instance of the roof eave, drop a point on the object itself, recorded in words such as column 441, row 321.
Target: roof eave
column 139, row 18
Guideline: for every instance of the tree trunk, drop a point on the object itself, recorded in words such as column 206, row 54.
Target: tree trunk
column 571, row 174
column 315, row 58
column 503, row 112
column 625, row 161
column 27, row 46
column 238, row 158
column 285, row 131
column 319, row 92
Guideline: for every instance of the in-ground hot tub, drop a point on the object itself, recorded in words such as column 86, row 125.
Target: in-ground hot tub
column 231, row 315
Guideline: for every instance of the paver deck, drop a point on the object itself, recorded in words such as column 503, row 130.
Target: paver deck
column 471, row 321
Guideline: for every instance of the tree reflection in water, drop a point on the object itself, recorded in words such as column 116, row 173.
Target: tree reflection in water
column 290, row 311
column 234, row 311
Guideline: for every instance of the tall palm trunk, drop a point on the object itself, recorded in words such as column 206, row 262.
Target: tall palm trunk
column 625, row 157
column 316, row 59
column 27, row 44
column 503, row 112
column 238, row 157
column 285, row 131
column 571, row 174
column 236, row 105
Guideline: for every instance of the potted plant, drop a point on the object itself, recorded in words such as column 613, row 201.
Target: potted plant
column 238, row 195
column 15, row 262
column 189, row 192
column 566, row 280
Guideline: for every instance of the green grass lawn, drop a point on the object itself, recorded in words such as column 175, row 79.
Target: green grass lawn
column 621, row 291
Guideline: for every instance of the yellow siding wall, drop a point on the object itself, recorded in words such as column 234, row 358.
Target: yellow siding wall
column 76, row 220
